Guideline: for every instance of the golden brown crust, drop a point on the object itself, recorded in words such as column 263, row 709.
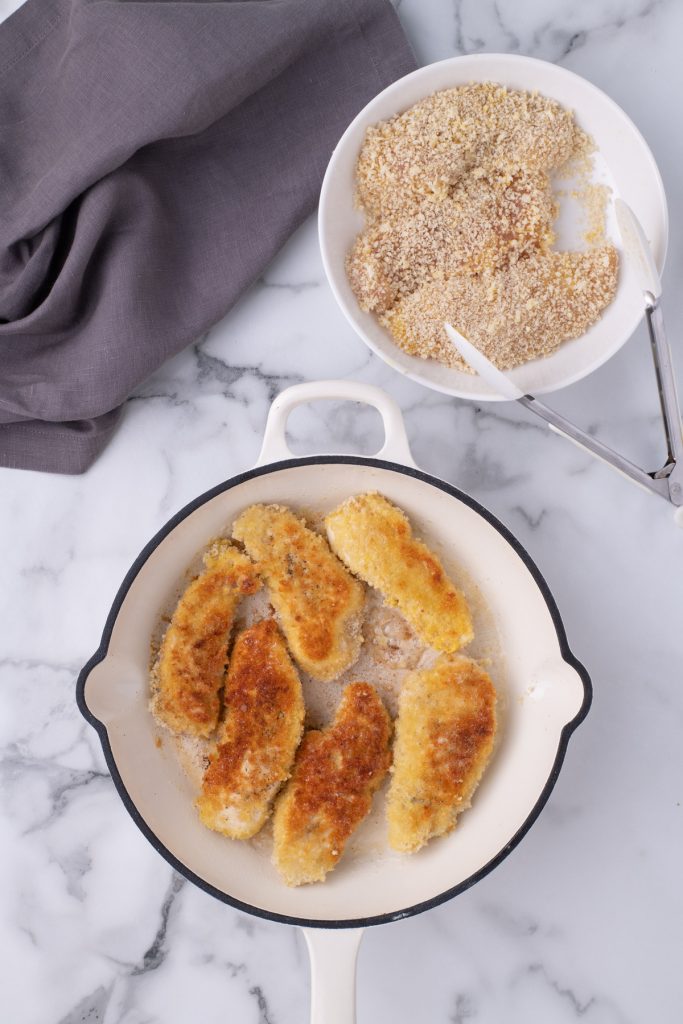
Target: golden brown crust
column 444, row 737
column 259, row 735
column 189, row 672
column 318, row 603
column 374, row 539
column 335, row 776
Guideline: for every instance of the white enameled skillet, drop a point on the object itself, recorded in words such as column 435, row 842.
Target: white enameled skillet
column 548, row 695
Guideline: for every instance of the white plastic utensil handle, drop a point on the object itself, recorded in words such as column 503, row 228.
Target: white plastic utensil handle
column 638, row 248
column 501, row 384
column 333, row 954
column 395, row 447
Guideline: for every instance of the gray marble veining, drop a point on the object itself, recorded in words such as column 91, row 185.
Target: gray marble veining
column 584, row 922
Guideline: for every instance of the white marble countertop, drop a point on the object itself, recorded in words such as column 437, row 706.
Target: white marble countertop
column 585, row 919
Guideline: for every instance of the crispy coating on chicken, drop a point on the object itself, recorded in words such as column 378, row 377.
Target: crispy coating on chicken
column 188, row 674
column 335, row 775
column 444, row 737
column 374, row 539
column 318, row 603
column 264, row 718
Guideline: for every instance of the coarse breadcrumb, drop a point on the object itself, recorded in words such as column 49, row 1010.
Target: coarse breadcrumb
column 264, row 718
column 458, row 200
column 486, row 224
column 374, row 539
column 593, row 198
column 478, row 129
column 335, row 775
column 512, row 316
column 188, row 675
column 318, row 603
column 444, row 737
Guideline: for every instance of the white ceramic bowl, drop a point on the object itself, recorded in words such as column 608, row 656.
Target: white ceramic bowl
column 623, row 161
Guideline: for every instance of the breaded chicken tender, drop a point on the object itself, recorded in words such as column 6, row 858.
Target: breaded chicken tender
column 482, row 225
column 188, row 674
column 318, row 603
column 335, row 775
column 511, row 316
column 444, row 737
column 264, row 718
column 374, row 539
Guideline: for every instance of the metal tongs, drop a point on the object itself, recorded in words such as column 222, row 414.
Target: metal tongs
column 667, row 482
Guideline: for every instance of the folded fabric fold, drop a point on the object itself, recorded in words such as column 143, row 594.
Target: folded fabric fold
column 154, row 156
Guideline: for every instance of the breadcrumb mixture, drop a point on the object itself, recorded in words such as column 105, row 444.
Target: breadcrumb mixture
column 512, row 315
column 460, row 208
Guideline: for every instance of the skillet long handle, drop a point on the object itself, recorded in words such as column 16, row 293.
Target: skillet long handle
column 333, row 954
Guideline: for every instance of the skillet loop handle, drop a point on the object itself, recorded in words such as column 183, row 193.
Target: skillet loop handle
column 333, row 956
column 395, row 447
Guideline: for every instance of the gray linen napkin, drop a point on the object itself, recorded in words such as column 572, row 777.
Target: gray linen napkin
column 153, row 158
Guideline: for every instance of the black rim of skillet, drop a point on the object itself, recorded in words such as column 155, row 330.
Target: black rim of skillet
column 396, row 915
